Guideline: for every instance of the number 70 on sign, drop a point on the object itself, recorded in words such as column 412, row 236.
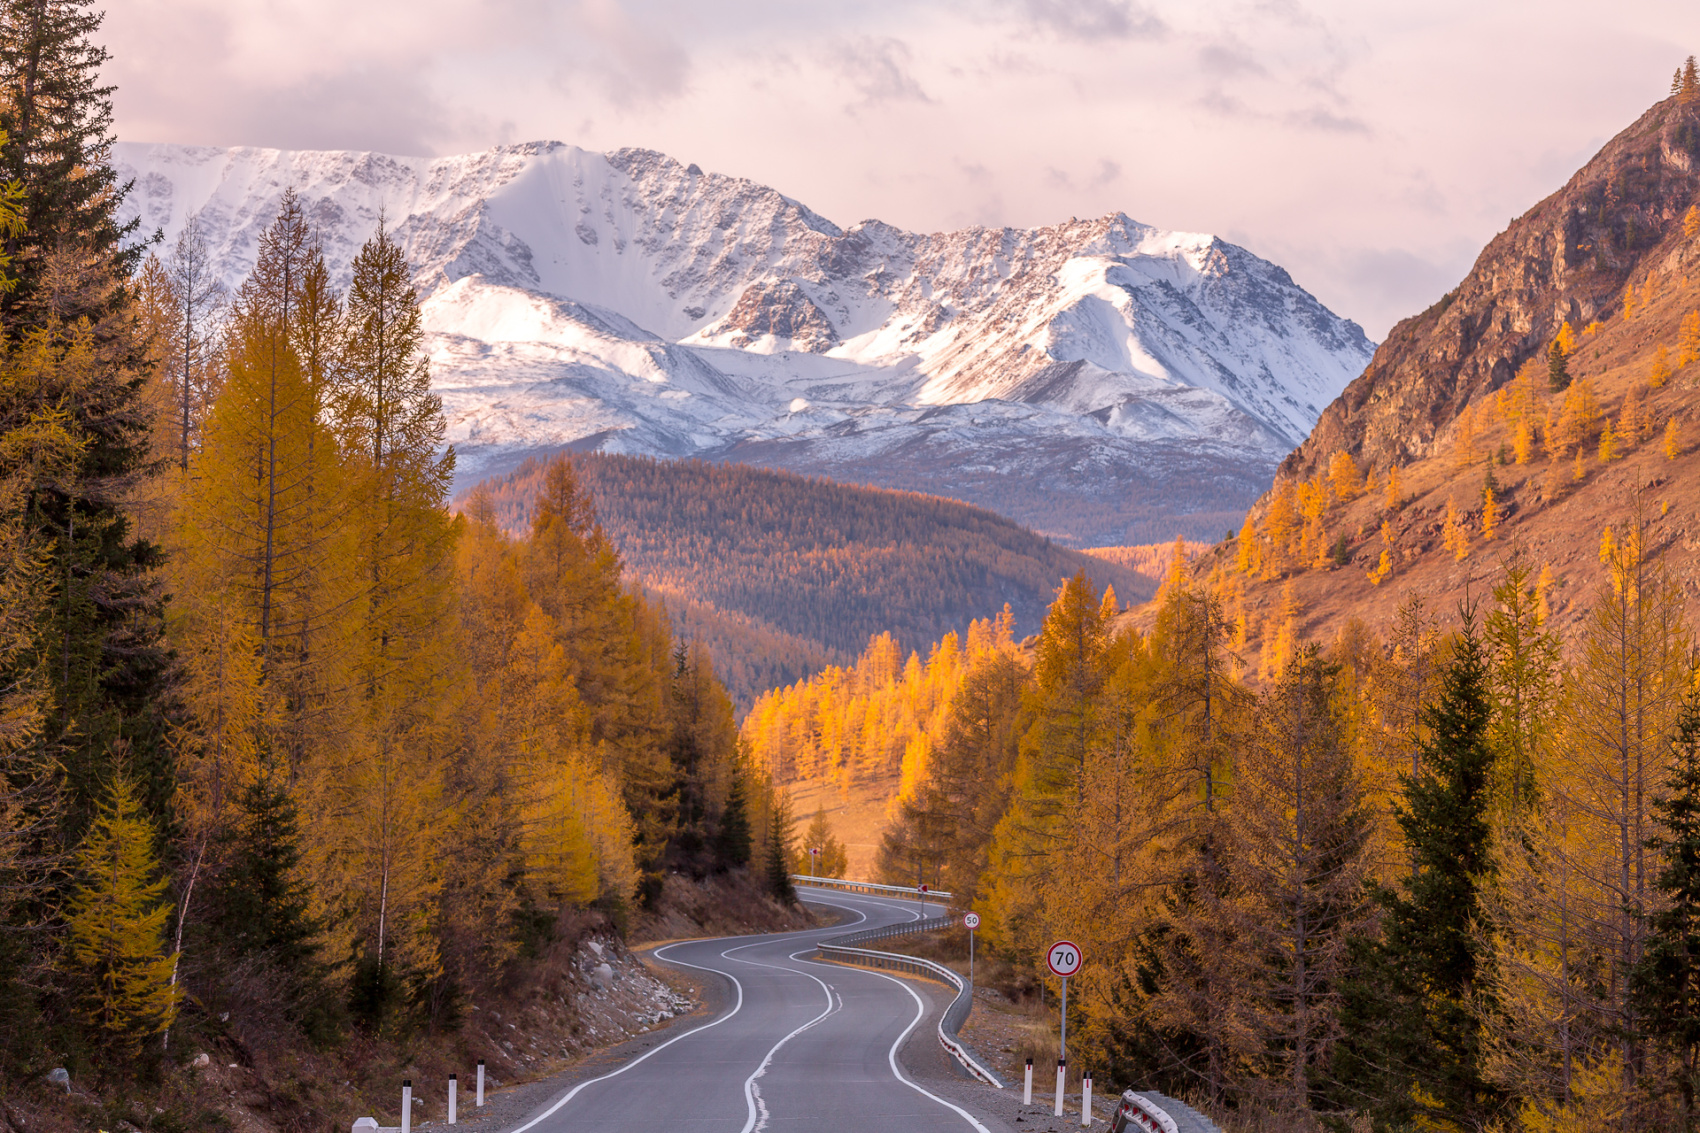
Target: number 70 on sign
column 1063, row 958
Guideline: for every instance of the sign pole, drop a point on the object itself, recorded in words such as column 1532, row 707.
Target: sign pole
column 1063, row 959
column 1065, row 1019
column 972, row 921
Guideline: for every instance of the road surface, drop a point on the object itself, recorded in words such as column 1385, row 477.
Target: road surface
column 801, row 1045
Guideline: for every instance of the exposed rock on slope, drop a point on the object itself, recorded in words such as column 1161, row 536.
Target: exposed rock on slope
column 1565, row 259
column 1101, row 380
column 1436, row 403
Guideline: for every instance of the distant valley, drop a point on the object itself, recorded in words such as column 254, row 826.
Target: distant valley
column 781, row 575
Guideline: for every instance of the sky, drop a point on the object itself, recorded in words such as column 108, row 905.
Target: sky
column 1370, row 147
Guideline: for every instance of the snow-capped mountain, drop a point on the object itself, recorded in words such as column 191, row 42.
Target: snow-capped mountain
column 1100, row 380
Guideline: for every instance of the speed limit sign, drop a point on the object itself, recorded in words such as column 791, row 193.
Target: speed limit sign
column 1063, row 958
column 972, row 920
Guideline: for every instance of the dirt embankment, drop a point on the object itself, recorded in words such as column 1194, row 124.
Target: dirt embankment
column 585, row 990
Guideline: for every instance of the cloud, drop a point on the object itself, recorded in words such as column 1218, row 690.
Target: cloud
column 635, row 63
column 878, row 69
column 1321, row 118
column 1228, row 60
column 1090, row 20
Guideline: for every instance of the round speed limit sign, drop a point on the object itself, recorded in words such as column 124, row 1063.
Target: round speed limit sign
column 972, row 920
column 1063, row 958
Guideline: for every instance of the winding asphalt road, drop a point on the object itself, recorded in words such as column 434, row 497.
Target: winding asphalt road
column 802, row 1045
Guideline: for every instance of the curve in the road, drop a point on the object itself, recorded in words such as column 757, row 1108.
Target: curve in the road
column 797, row 1061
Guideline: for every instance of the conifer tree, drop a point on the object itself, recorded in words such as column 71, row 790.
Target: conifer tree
column 701, row 745
column 58, row 121
column 197, row 299
column 831, row 860
column 732, row 836
column 71, row 314
column 1300, row 859
column 116, row 927
column 779, row 852
column 1666, row 981
column 1413, row 1045
column 386, row 783
column 1558, row 367
column 1524, row 660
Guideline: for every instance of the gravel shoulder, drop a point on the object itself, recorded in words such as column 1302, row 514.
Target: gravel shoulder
column 511, row 1106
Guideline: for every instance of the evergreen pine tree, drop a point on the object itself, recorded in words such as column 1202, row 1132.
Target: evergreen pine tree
column 58, row 121
column 1558, row 367
column 264, row 908
column 1666, row 982
column 1412, row 1049
column 70, row 313
column 779, row 849
column 732, row 837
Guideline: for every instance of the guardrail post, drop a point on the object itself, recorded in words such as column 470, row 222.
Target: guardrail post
column 1027, row 1092
column 1062, row 1067
column 1086, row 1100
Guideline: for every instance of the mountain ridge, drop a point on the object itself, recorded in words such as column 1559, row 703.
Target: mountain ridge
column 1460, row 401
column 1101, row 380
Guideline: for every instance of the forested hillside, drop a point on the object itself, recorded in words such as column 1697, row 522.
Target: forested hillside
column 1576, row 415
column 1383, row 814
column 825, row 563
column 292, row 758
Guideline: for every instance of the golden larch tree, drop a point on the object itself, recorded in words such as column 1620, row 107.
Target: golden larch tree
column 115, row 923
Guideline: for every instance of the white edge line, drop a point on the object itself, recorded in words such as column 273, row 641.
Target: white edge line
column 736, row 1007
column 891, row 1055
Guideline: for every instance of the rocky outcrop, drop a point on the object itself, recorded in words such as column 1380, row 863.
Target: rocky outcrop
column 1567, row 258
column 783, row 311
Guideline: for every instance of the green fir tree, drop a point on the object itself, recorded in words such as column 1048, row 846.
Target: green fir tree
column 1412, row 1051
column 1666, row 983
column 1558, row 367
column 779, row 849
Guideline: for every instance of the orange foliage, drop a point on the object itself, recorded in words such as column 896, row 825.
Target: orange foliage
column 874, row 719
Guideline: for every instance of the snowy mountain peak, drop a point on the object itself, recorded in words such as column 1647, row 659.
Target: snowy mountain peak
column 635, row 303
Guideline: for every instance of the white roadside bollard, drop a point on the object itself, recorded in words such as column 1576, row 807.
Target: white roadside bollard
column 1086, row 1100
column 1062, row 1068
column 406, row 1104
column 480, row 1084
column 1027, row 1093
column 453, row 1086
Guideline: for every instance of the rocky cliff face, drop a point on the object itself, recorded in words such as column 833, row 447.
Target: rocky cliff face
column 1567, row 258
column 1100, row 380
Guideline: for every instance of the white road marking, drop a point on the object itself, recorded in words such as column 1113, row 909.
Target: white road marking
column 736, row 1007
column 756, row 1118
column 891, row 1055
column 757, row 1115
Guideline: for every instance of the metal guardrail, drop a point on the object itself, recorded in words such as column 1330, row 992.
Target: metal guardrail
column 908, row 928
column 869, row 887
column 1149, row 1114
column 954, row 1015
